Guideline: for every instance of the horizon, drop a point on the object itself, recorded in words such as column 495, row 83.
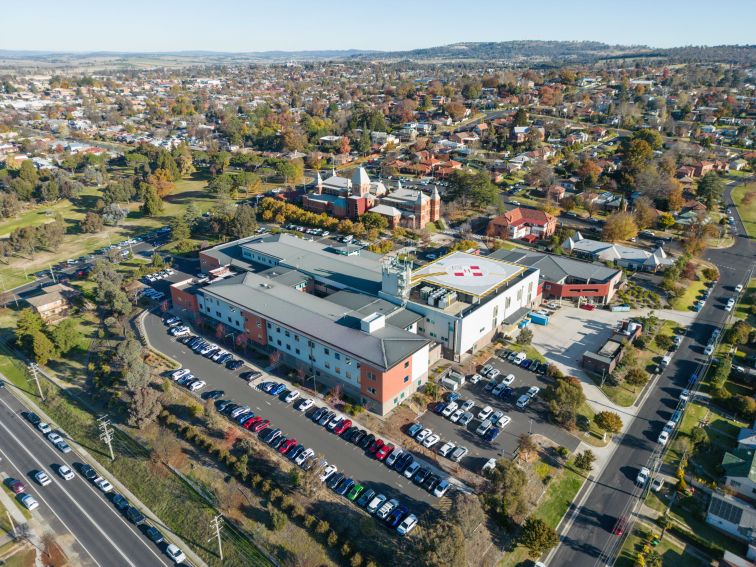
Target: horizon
column 173, row 27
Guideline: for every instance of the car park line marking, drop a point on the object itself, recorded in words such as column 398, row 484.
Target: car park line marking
column 96, row 491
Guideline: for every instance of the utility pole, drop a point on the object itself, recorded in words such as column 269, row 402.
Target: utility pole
column 216, row 524
column 34, row 369
column 12, row 525
column 106, row 433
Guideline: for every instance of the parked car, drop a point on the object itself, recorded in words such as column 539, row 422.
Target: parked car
column 458, row 453
column 42, row 478
column 376, row 503
column 407, row 525
column 466, row 418
column 484, row 413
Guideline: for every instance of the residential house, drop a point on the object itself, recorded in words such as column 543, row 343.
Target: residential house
column 523, row 223
column 54, row 302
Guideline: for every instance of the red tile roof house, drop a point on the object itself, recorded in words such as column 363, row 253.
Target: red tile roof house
column 522, row 222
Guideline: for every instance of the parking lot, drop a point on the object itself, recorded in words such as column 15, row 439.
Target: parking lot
column 349, row 458
column 532, row 419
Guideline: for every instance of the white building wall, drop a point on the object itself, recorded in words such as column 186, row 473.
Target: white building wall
column 419, row 364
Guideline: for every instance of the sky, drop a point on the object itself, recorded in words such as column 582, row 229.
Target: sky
column 390, row 25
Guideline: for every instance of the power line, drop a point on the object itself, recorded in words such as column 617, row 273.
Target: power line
column 34, row 370
column 106, row 433
column 216, row 524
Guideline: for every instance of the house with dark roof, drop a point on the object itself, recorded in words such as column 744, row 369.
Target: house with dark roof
column 522, row 222
column 567, row 278
column 740, row 472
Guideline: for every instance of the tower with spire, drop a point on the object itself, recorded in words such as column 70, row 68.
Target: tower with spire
column 435, row 205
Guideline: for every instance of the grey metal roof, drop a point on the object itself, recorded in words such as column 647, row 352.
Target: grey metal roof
column 366, row 305
column 557, row 268
column 360, row 272
column 320, row 319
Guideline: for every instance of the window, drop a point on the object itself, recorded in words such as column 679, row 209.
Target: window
column 310, row 344
column 296, row 338
column 327, row 351
column 288, row 347
column 371, row 376
column 348, row 361
column 337, row 356
column 278, row 329
column 259, row 324
column 269, row 327
column 371, row 390
column 296, row 350
column 337, row 370
column 406, row 378
column 348, row 374
column 278, row 342
column 327, row 365
column 218, row 313
column 406, row 363
column 286, row 334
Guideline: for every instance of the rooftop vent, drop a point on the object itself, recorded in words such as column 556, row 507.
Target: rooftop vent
column 373, row 322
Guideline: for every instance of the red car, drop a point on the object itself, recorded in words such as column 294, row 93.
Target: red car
column 619, row 527
column 260, row 425
column 251, row 421
column 377, row 444
column 15, row 485
column 384, row 451
column 342, row 427
column 588, row 306
column 286, row 446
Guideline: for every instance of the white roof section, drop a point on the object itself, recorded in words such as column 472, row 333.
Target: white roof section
column 360, row 177
column 467, row 273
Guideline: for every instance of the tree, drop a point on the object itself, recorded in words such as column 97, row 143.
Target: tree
column 179, row 229
column 455, row 110
column 28, row 324
column 467, row 512
column 153, row 204
column 473, row 189
column 710, row 189
column 43, row 348
column 589, row 172
column 66, row 335
column 565, row 397
column 374, row 220
column 363, row 144
column 636, row 156
column 520, row 118
column 619, row 226
column 584, row 461
column 538, row 536
column 608, row 421
column 541, row 174
column 666, row 220
column 652, row 137
column 91, row 223
column 442, row 544
column 144, row 407
column 244, row 222
column 636, row 376
column 525, row 337
column 162, row 181
column 739, row 333
column 508, row 483
column 644, row 212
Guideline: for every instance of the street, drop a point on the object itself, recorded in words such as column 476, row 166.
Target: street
column 102, row 536
column 589, row 526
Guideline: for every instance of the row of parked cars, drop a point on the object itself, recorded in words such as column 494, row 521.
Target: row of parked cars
column 520, row 359
column 151, row 293
column 157, row 276
column 392, row 512
column 89, row 473
column 503, row 389
column 199, row 345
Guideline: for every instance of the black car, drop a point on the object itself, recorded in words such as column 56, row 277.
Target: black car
column 347, row 433
column 278, row 441
column 229, row 408
column 366, row 441
column 403, row 462
column 234, row 364
column 220, row 405
column 317, row 414
column 120, row 502
column 267, row 434
column 326, row 417
column 152, row 533
column 345, row 486
column 295, row 452
column 32, row 417
column 134, row 516
column 334, row 480
column 365, row 497
column 358, row 436
column 420, row 476
column 213, row 395
column 534, row 367
column 249, row 376
column 431, row 482
column 542, row 369
column 87, row 472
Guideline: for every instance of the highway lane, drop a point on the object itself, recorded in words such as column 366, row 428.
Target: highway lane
column 347, row 457
column 589, row 528
column 102, row 536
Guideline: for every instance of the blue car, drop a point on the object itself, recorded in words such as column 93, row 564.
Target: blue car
column 439, row 407
column 526, row 363
column 277, row 390
column 506, row 392
column 397, row 515
column 414, row 429
column 453, row 397
column 492, row 434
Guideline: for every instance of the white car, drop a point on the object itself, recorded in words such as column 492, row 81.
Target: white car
column 519, row 358
column 504, row 421
column 446, row 448
column 304, row 404
column 474, row 379
column 486, row 369
column 533, row 391
column 103, row 484
column 449, row 409
column 42, row 478
column 198, row 385
column 174, row 552
column 709, row 350
column 728, row 308
column 663, row 438
column 489, row 465
column 731, row 302
column 28, row 501
column 467, row 406
column 65, row 472
column 685, row 395
column 303, row 456
column 508, row 379
column 291, row 396
column 494, row 374
column 407, row 525
column 44, row 427
column 739, row 288
column 180, row 373
column 523, row 401
column 670, row 426
column 484, row 413
column 431, row 440
column 420, row 437
column 657, row 484
column 327, row 472
column 54, row 437
column 376, row 503
column 454, row 418
column 642, row 477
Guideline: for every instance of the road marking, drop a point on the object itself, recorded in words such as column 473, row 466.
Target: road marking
column 96, row 491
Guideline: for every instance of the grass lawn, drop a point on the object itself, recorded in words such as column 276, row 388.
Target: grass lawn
column 672, row 555
column 530, row 351
column 22, row 558
column 743, row 307
column 621, row 394
column 689, row 297
column 747, row 210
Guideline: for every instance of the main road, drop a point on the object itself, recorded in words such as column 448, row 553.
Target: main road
column 589, row 527
column 78, row 513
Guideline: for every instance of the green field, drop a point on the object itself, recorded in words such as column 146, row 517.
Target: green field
column 747, row 210
column 743, row 307
column 672, row 554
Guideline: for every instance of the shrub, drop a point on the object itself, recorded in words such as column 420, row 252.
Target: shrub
column 333, row 539
column 255, row 480
column 345, row 550
column 309, row 520
column 322, row 527
column 275, row 494
column 356, row 560
column 266, row 486
column 277, row 519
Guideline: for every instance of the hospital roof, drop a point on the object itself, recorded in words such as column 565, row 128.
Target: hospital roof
column 467, row 273
column 320, row 319
column 557, row 268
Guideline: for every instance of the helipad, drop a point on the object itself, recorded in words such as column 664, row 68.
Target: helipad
column 467, row 273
